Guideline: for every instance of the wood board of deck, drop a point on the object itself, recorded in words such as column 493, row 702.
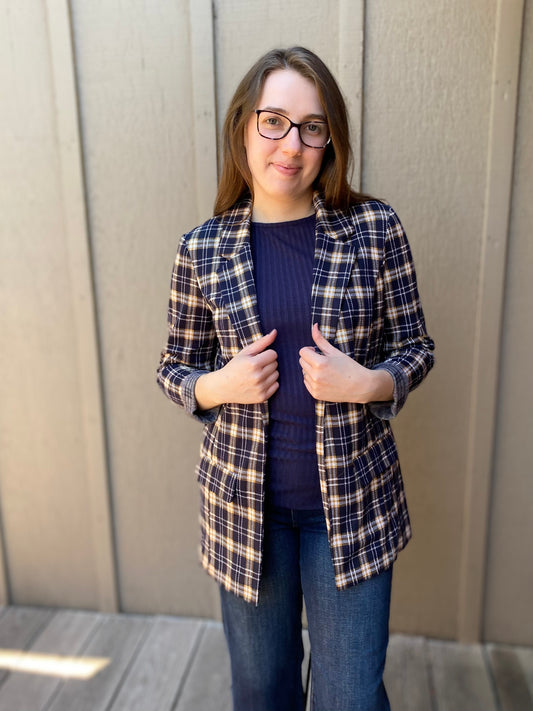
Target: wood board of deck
column 181, row 664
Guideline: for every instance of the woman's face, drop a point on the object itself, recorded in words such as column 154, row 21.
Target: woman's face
column 283, row 171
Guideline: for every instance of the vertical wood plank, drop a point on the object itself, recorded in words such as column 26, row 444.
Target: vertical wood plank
column 4, row 594
column 351, row 53
column 82, row 295
column 133, row 66
column 204, row 105
column 488, row 321
column 508, row 613
column 4, row 40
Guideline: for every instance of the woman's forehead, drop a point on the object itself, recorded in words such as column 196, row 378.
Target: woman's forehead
column 287, row 91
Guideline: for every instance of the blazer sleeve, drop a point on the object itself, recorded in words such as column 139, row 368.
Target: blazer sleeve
column 192, row 342
column 407, row 348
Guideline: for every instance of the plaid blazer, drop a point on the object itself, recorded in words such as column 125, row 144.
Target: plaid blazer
column 365, row 300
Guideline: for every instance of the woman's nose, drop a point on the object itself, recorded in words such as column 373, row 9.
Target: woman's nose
column 292, row 141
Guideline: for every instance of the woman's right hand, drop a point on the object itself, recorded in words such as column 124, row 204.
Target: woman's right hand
column 250, row 377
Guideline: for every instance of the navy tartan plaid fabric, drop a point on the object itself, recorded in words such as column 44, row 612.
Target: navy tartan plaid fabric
column 365, row 300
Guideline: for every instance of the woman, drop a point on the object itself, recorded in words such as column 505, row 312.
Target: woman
column 295, row 334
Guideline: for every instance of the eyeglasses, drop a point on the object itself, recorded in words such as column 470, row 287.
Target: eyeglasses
column 274, row 126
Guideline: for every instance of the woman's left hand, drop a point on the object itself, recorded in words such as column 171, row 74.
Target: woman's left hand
column 333, row 376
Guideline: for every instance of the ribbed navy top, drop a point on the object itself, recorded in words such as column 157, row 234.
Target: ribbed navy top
column 283, row 255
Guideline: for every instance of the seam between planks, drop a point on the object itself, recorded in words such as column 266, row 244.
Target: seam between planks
column 57, row 691
column 187, row 669
column 490, row 673
column 127, row 669
column 430, row 677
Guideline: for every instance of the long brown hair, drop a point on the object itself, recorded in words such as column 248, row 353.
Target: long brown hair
column 332, row 181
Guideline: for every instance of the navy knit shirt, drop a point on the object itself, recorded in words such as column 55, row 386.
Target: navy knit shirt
column 283, row 255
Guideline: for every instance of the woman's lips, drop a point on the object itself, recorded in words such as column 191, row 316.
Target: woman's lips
column 286, row 169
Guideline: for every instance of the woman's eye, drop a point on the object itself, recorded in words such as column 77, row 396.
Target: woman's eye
column 314, row 129
column 271, row 121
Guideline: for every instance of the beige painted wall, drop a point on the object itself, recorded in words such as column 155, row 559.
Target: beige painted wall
column 109, row 154
column 54, row 503
column 425, row 145
column 509, row 586
column 136, row 85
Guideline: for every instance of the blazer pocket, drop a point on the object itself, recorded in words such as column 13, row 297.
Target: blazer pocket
column 219, row 481
column 378, row 458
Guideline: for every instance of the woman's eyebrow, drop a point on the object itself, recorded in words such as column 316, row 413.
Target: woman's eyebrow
column 309, row 117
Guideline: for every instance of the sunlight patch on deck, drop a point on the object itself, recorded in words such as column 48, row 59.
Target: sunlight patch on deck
column 52, row 664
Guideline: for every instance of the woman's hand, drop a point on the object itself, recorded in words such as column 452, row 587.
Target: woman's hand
column 333, row 376
column 250, row 377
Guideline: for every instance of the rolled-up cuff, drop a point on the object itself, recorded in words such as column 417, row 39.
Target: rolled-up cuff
column 388, row 410
column 189, row 399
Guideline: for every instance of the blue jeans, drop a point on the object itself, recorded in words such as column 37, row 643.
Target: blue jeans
column 348, row 629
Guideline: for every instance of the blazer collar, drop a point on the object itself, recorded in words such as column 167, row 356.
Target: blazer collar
column 235, row 229
column 338, row 225
column 336, row 245
column 235, row 225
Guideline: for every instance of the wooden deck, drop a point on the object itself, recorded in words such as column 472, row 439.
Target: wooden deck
column 62, row 660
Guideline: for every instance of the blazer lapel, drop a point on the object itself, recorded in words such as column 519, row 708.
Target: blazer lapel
column 236, row 274
column 336, row 247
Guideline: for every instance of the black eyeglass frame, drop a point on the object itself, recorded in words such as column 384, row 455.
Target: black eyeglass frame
column 291, row 125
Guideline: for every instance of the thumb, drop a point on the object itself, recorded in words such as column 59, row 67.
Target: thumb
column 261, row 344
column 320, row 341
